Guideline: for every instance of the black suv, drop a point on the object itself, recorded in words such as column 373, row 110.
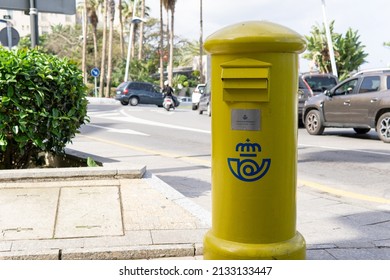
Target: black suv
column 361, row 102
column 140, row 93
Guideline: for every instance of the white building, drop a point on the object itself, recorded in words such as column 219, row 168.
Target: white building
column 21, row 21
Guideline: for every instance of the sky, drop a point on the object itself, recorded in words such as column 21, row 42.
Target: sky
column 370, row 18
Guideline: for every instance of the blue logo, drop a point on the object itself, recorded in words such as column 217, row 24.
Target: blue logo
column 246, row 167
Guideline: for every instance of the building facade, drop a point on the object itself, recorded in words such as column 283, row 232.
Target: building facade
column 21, row 21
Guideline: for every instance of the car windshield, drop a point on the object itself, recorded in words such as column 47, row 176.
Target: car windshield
column 320, row 84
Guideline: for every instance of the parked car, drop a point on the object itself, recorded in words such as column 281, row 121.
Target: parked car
column 320, row 82
column 135, row 93
column 304, row 92
column 196, row 94
column 311, row 84
column 361, row 102
column 205, row 101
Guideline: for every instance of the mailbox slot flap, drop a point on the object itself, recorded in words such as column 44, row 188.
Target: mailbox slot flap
column 245, row 80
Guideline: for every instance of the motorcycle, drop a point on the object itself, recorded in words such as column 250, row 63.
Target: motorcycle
column 168, row 103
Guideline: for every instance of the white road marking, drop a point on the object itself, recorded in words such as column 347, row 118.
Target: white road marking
column 116, row 130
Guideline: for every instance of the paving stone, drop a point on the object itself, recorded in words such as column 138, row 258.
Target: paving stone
column 89, row 211
column 27, row 213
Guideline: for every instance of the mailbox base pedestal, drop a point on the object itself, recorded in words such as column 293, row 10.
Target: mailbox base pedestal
column 219, row 249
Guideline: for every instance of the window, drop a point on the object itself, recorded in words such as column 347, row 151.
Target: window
column 388, row 82
column 346, row 88
column 370, row 84
column 135, row 86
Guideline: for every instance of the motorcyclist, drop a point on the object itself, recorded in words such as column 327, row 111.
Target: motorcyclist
column 167, row 90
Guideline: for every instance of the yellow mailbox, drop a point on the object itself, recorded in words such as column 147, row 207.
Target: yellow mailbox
column 254, row 82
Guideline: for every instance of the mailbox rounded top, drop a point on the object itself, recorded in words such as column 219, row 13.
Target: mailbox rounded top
column 255, row 36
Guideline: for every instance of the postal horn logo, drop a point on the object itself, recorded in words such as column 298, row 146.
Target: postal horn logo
column 247, row 166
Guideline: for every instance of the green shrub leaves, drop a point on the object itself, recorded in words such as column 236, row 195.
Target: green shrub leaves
column 42, row 105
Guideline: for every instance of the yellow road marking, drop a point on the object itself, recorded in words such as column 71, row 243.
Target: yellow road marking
column 342, row 193
column 152, row 152
column 317, row 186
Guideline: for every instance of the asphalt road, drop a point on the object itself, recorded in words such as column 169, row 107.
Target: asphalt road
column 175, row 146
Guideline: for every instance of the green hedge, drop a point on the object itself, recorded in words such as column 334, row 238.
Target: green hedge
column 42, row 105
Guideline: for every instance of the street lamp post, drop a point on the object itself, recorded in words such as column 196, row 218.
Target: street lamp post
column 134, row 21
column 329, row 39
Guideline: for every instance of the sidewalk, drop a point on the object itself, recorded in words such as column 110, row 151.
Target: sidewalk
column 96, row 213
column 123, row 211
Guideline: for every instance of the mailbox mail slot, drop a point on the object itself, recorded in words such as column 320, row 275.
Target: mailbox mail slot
column 245, row 80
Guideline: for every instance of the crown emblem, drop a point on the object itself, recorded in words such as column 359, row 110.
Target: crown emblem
column 245, row 167
column 248, row 147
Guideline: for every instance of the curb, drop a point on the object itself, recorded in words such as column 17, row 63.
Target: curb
column 71, row 173
column 102, row 100
column 108, row 253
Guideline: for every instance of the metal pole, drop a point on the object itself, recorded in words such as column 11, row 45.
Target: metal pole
column 34, row 24
column 330, row 43
column 95, row 87
column 9, row 32
column 9, row 35
column 130, row 42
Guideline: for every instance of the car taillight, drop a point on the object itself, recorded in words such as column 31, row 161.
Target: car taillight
column 125, row 91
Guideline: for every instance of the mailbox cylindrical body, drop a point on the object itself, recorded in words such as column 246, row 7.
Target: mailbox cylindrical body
column 254, row 82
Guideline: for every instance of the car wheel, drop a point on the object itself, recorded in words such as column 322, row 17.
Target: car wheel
column 209, row 110
column 313, row 123
column 134, row 101
column 383, row 127
column 124, row 103
column 361, row 130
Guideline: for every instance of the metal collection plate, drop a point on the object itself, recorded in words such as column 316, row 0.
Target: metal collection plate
column 246, row 119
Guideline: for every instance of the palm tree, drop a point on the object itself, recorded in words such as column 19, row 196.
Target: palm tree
column 128, row 14
column 104, row 43
column 122, row 43
column 85, row 29
column 201, row 44
column 349, row 52
column 109, row 67
column 161, row 45
column 141, row 30
column 93, row 19
column 170, row 5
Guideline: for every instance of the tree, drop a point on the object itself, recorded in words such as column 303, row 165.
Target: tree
column 85, row 30
column 141, row 30
column 104, row 46
column 94, row 20
column 110, row 43
column 170, row 5
column 349, row 52
column 201, row 44
column 161, row 45
column 121, row 41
